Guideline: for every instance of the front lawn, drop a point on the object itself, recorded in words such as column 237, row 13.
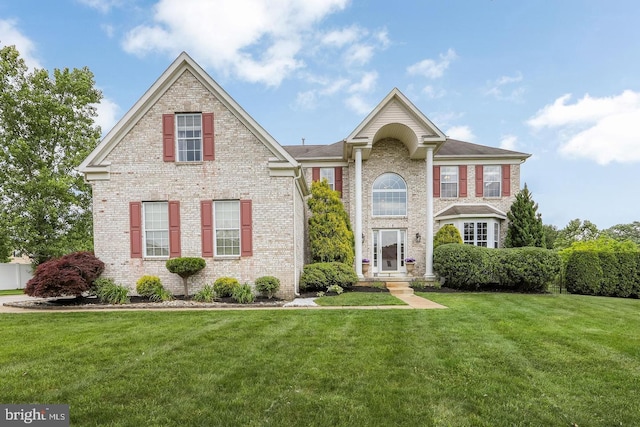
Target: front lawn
column 11, row 292
column 488, row 360
column 359, row 299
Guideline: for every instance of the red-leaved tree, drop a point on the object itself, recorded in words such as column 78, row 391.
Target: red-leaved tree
column 69, row 275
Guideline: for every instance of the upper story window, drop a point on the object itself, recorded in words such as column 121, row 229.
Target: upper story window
column 449, row 181
column 389, row 195
column 156, row 229
column 330, row 175
column 491, row 181
column 189, row 137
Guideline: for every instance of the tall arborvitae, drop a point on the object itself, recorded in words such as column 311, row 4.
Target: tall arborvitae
column 525, row 223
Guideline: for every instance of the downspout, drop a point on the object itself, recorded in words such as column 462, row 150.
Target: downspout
column 296, row 284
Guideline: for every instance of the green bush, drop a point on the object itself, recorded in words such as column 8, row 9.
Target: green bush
column 628, row 274
column 109, row 292
column 224, row 286
column 463, row 266
column 321, row 275
column 335, row 288
column 185, row 267
column 161, row 295
column 206, row 294
column 243, row 294
column 148, row 285
column 448, row 233
column 267, row 285
column 529, row 269
column 583, row 273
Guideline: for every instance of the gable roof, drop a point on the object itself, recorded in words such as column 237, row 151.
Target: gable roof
column 470, row 210
column 454, row 148
column 333, row 151
column 95, row 164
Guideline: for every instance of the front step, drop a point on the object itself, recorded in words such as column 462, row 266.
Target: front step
column 399, row 288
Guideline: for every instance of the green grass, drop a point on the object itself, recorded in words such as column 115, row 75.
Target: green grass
column 488, row 360
column 359, row 299
column 11, row 292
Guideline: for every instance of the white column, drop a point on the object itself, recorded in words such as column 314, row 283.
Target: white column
column 358, row 226
column 428, row 275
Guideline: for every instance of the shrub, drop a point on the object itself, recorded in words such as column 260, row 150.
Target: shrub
column 583, row 273
column 335, row 288
column 148, row 285
column 243, row 294
column 418, row 284
column 224, row 286
column 528, row 269
column 463, row 266
column 448, row 233
column 185, row 267
column 206, row 294
column 109, row 292
column 268, row 285
column 321, row 275
column 71, row 274
column 161, row 295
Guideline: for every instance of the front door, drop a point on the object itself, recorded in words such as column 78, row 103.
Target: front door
column 389, row 249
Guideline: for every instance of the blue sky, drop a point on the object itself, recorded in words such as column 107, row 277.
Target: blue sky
column 557, row 79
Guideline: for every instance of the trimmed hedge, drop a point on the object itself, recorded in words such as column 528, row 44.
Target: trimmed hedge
column 319, row 276
column 470, row 267
column 605, row 273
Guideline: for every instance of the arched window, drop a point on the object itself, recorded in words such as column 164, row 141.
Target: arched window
column 389, row 195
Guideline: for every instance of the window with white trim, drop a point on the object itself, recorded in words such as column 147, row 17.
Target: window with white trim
column 156, row 229
column 449, row 181
column 389, row 195
column 477, row 233
column 492, row 177
column 330, row 175
column 496, row 234
column 226, row 218
column 189, row 137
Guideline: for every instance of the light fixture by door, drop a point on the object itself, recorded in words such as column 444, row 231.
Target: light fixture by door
column 418, row 237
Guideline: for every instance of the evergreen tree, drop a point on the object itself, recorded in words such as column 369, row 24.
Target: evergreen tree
column 525, row 223
column 47, row 129
column 448, row 233
column 330, row 235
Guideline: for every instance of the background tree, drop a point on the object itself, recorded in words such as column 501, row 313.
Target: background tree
column 525, row 223
column 330, row 235
column 5, row 247
column 550, row 235
column 46, row 130
column 576, row 231
column 623, row 232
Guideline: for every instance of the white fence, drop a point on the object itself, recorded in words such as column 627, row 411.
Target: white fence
column 14, row 276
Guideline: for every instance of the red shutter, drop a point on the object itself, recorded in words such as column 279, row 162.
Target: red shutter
column 436, row 181
column 479, row 181
column 174, row 229
column 506, row 180
column 135, row 229
column 206, row 221
column 462, row 181
column 208, row 143
column 315, row 174
column 246, row 231
column 338, row 178
column 168, row 140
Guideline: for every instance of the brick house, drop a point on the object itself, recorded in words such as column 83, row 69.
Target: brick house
column 187, row 172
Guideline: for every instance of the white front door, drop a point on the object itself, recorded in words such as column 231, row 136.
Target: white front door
column 389, row 251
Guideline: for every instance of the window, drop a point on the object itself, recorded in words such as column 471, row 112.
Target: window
column 227, row 228
column 496, row 234
column 330, row 175
column 189, row 128
column 477, row 233
column 491, row 179
column 449, row 181
column 389, row 195
column 156, row 229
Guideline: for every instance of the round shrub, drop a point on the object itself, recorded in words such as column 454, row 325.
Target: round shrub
column 448, row 233
column 463, row 266
column 185, row 266
column 267, row 285
column 224, row 286
column 148, row 285
column 243, row 294
column 320, row 275
column 70, row 275
column 583, row 274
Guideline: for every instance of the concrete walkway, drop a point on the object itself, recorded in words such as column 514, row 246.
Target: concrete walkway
column 403, row 291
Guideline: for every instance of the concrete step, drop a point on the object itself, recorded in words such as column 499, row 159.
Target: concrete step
column 399, row 288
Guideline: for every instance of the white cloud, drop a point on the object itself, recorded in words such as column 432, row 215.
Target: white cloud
column 108, row 114
column 508, row 142
column 108, row 29
column 11, row 35
column 462, row 133
column 433, row 93
column 358, row 104
column 359, row 54
column 340, row 38
column 431, row 68
column 601, row 129
column 103, row 6
column 366, row 84
column 252, row 39
column 503, row 88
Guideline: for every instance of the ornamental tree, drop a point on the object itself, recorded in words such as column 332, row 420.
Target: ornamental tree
column 185, row 267
column 330, row 235
column 46, row 130
column 525, row 223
